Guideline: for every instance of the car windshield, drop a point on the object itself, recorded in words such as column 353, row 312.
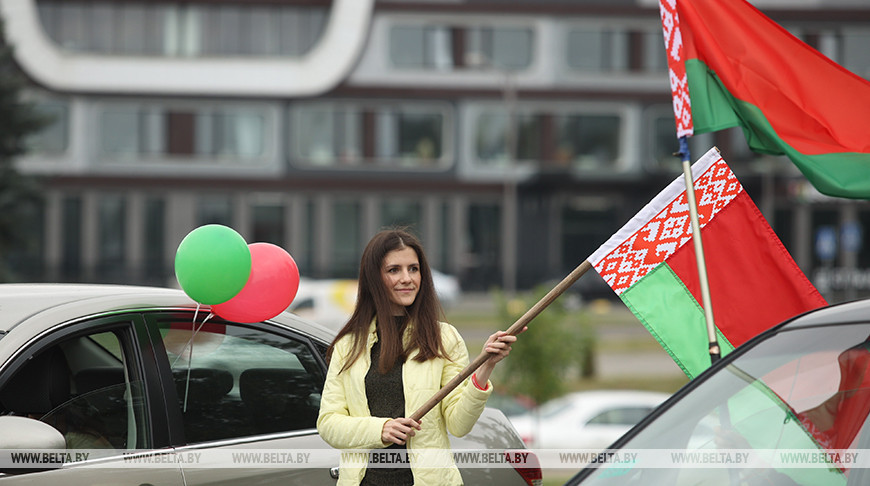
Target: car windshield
column 790, row 411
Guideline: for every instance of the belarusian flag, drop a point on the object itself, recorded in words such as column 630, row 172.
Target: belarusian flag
column 731, row 66
column 754, row 282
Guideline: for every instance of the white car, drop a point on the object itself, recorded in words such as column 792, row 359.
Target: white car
column 585, row 420
column 330, row 302
column 124, row 382
column 327, row 302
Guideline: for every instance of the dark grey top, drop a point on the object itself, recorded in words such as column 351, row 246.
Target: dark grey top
column 386, row 397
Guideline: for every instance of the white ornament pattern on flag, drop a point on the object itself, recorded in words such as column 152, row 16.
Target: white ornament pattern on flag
column 669, row 230
column 677, row 67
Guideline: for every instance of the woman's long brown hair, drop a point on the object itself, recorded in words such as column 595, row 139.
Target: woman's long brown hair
column 373, row 301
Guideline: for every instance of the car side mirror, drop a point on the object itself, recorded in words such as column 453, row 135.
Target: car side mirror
column 29, row 436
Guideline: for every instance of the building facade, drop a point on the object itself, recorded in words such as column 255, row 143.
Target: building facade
column 513, row 137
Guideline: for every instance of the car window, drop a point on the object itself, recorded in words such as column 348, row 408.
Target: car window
column 237, row 381
column 803, row 390
column 620, row 416
column 86, row 387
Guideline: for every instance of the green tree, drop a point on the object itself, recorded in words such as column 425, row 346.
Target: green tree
column 19, row 194
column 558, row 347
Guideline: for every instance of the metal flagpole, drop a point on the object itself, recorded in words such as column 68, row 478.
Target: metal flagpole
column 685, row 127
column 715, row 350
column 713, row 341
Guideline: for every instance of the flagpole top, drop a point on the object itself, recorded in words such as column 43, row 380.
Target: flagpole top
column 684, row 154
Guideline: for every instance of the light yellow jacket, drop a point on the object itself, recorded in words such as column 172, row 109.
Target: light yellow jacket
column 346, row 423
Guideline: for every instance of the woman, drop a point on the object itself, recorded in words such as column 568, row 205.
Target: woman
column 390, row 358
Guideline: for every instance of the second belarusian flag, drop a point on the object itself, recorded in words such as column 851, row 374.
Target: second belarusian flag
column 754, row 282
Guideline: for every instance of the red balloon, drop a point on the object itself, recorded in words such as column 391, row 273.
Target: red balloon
column 270, row 289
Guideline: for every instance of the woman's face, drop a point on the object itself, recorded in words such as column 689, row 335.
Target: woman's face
column 401, row 274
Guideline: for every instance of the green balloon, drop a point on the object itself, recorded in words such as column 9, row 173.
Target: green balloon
column 212, row 264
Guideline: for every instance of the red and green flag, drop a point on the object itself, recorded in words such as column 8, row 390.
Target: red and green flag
column 731, row 66
column 754, row 282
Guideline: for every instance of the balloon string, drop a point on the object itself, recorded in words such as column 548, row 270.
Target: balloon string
column 193, row 332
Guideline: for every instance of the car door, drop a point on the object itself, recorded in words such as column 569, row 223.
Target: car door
column 246, row 401
column 90, row 380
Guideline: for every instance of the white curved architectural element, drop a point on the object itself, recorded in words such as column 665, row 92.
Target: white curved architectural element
column 322, row 68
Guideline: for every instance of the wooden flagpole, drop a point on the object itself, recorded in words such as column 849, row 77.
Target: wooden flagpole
column 513, row 330
column 582, row 269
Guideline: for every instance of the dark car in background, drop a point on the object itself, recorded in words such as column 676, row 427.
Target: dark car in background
column 789, row 407
column 141, row 386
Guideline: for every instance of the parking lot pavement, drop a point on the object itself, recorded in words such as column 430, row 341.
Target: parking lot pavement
column 649, row 360
column 646, row 363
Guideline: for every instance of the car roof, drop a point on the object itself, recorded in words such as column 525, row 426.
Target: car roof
column 844, row 313
column 40, row 306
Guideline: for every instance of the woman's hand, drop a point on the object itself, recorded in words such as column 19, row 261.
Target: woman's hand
column 399, row 430
column 498, row 346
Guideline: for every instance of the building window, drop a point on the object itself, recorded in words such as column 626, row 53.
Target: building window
column 347, row 241
column 358, row 135
column 863, row 250
column 587, row 142
column 305, row 256
column 598, row 50
column 492, row 133
column 111, row 238
column 215, row 210
column 25, row 249
column 483, row 246
column 327, row 135
column 573, row 139
column 856, row 56
column 268, row 222
column 246, row 30
column 828, row 43
column 607, row 49
column 53, row 138
column 131, row 132
column 420, row 47
column 408, row 136
column 441, row 257
column 299, row 29
column 584, row 227
column 231, row 133
column 71, row 229
column 664, row 143
column 783, row 225
column 825, row 220
column 443, row 47
column 182, row 29
column 505, row 48
column 155, row 239
column 402, row 213
column 655, row 58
